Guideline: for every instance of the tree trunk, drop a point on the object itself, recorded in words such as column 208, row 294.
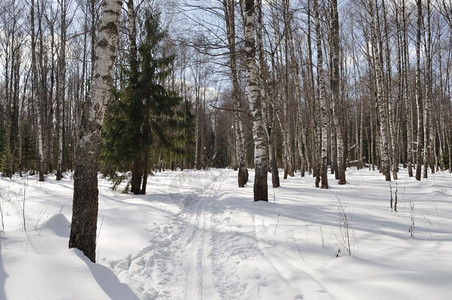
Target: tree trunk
column 229, row 11
column 137, row 175
column 407, row 99
column 335, row 92
column 428, row 118
column 380, row 89
column 270, row 117
column 323, row 102
column 260, row 147
column 61, row 91
column 420, row 127
column 393, row 158
column 37, row 95
column 85, row 203
column 146, row 172
column 137, row 168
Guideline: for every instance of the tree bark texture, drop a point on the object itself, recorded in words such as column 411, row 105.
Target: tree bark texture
column 61, row 91
column 229, row 11
column 380, row 89
column 85, row 202
column 335, row 84
column 323, row 102
column 420, row 127
column 254, row 92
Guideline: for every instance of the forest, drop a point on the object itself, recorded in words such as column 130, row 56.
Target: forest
column 208, row 103
column 355, row 83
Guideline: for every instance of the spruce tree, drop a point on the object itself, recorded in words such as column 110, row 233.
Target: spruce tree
column 144, row 112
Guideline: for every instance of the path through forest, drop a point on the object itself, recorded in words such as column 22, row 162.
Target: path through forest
column 215, row 248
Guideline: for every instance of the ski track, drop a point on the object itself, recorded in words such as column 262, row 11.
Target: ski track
column 198, row 285
column 199, row 255
column 178, row 264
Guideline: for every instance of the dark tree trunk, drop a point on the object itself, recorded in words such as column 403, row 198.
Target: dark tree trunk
column 137, row 175
column 146, row 173
column 243, row 175
column 85, row 205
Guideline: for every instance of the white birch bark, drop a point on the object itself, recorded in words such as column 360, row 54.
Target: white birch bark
column 379, row 84
column 301, row 129
column 85, row 202
column 229, row 12
column 335, row 93
column 406, row 98
column 289, row 169
column 420, row 127
column 323, row 102
column 37, row 94
column 428, row 122
column 254, row 94
column 61, row 91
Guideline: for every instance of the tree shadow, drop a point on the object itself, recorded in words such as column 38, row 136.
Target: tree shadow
column 3, row 274
column 107, row 280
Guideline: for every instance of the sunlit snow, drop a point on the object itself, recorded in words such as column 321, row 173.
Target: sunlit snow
column 198, row 236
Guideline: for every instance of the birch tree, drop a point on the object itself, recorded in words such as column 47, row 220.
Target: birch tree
column 380, row 90
column 418, row 95
column 61, row 84
column 335, row 85
column 427, row 100
column 85, row 201
column 323, row 102
column 254, row 94
column 229, row 15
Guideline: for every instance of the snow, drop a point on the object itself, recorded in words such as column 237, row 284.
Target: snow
column 198, row 236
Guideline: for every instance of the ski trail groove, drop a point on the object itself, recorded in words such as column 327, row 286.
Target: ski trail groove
column 199, row 282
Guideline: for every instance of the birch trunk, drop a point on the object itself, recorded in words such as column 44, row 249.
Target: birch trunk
column 254, row 93
column 229, row 12
column 389, row 99
column 267, row 109
column 61, row 90
column 301, row 128
column 85, row 203
column 270, row 118
column 441, row 128
column 312, row 103
column 406, row 98
column 289, row 169
column 379, row 84
column 335, row 92
column 323, row 102
column 420, row 127
column 37, row 94
column 428, row 122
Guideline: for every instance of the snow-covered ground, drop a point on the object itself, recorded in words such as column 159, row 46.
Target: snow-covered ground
column 197, row 236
